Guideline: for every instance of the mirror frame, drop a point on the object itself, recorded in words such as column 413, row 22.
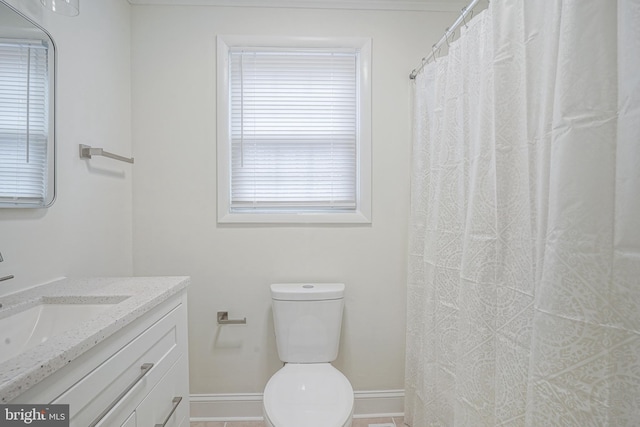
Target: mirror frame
column 52, row 184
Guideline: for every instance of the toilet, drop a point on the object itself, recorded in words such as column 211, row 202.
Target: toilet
column 308, row 391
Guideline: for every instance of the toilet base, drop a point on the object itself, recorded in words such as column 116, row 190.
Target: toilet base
column 267, row 422
column 309, row 395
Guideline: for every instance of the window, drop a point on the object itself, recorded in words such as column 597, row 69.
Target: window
column 25, row 152
column 294, row 140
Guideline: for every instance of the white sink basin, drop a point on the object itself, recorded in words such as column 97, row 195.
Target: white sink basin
column 35, row 325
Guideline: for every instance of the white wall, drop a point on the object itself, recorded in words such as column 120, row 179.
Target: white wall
column 175, row 230
column 88, row 229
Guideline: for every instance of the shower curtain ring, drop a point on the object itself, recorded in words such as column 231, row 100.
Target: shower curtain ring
column 434, row 53
column 446, row 36
column 464, row 21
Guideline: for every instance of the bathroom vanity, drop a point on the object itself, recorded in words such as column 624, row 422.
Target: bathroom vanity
column 118, row 357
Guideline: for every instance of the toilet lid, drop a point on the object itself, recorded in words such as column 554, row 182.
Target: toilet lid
column 309, row 395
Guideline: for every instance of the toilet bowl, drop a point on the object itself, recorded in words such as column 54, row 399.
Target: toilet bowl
column 308, row 395
column 308, row 391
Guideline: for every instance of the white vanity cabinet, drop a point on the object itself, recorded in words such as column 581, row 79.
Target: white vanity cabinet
column 136, row 377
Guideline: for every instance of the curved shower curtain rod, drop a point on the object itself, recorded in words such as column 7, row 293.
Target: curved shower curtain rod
column 435, row 49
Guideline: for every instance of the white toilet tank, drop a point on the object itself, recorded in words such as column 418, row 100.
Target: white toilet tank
column 307, row 319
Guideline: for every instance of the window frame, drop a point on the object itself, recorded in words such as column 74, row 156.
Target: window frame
column 362, row 213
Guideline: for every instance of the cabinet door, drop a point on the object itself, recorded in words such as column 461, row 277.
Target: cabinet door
column 185, row 422
column 126, row 369
column 131, row 421
column 167, row 404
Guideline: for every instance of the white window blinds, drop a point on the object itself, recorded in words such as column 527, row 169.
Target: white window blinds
column 23, row 121
column 294, row 129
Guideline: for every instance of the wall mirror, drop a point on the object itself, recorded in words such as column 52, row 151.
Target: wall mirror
column 27, row 112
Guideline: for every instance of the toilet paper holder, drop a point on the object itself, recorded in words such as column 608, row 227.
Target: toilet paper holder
column 223, row 319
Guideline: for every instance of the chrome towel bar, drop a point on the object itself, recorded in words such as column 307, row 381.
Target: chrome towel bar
column 86, row 151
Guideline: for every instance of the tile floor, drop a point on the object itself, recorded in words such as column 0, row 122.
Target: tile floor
column 357, row 422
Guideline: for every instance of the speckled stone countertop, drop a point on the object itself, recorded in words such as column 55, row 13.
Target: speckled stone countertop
column 132, row 297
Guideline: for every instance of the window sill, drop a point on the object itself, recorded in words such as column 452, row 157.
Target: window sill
column 310, row 218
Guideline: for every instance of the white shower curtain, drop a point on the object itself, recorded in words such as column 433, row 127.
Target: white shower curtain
column 524, row 258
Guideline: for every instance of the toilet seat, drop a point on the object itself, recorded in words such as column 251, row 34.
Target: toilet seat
column 309, row 395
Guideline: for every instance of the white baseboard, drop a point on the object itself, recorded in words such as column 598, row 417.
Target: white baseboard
column 378, row 403
column 248, row 406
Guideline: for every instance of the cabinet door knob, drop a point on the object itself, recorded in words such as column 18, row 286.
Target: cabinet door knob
column 176, row 401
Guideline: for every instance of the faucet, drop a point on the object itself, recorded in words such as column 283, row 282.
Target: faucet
column 3, row 278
